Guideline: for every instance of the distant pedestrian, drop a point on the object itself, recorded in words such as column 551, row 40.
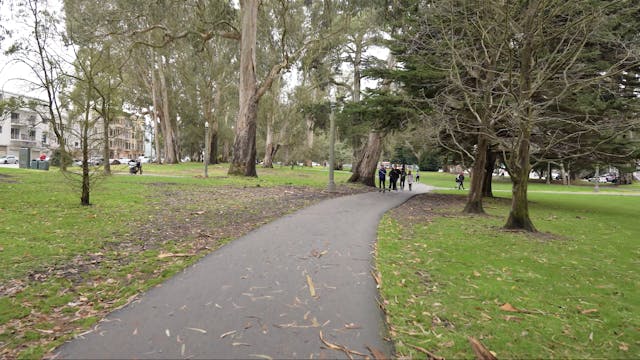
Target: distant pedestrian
column 403, row 177
column 139, row 165
column 382, row 175
column 410, row 179
column 460, row 181
column 394, row 174
column 417, row 175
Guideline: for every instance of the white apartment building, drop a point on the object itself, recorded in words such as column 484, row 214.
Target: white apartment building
column 24, row 128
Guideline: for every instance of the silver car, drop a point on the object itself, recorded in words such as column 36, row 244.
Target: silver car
column 9, row 159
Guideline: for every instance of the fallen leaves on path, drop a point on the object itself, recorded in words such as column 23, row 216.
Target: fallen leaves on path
column 342, row 348
column 312, row 289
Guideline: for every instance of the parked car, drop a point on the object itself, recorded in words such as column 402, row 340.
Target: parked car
column 9, row 159
column 96, row 161
column 599, row 179
column 144, row 159
column 124, row 160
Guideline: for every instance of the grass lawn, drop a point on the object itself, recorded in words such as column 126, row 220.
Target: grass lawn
column 570, row 291
column 444, row 181
column 64, row 266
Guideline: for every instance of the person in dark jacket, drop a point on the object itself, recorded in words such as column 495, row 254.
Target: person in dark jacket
column 382, row 175
column 460, row 181
column 403, row 177
column 394, row 174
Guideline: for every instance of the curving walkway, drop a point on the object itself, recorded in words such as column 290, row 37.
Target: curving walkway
column 299, row 287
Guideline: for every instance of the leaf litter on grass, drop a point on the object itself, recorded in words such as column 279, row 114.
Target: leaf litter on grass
column 182, row 224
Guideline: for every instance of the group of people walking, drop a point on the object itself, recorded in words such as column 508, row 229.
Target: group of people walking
column 395, row 174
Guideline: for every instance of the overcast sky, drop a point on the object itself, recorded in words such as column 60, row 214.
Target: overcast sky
column 13, row 74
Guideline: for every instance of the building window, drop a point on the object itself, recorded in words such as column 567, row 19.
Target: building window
column 15, row 133
column 32, row 135
column 44, row 138
column 15, row 116
column 0, row 129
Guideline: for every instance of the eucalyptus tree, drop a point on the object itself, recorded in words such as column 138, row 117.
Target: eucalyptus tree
column 285, row 14
column 364, row 32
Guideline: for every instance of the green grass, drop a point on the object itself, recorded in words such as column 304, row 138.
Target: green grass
column 576, row 284
column 445, row 181
column 45, row 234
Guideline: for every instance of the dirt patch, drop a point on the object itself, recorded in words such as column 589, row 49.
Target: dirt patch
column 205, row 217
column 8, row 179
column 424, row 208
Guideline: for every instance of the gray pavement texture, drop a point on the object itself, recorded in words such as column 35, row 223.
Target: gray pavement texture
column 298, row 287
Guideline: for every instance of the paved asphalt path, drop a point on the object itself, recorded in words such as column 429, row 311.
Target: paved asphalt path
column 298, row 287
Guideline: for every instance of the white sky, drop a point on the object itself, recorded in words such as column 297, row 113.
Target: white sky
column 13, row 74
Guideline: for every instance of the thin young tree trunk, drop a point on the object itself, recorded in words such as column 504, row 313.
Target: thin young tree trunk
column 105, row 130
column 85, row 199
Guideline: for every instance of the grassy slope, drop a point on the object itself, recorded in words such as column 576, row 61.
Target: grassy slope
column 577, row 284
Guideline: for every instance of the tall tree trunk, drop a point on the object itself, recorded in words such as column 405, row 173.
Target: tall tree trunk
column 548, row 179
column 365, row 172
column 519, row 214
column 268, row 151
column 474, row 201
column 244, row 146
column 155, row 116
column 487, row 189
column 171, row 155
column 310, row 122
column 210, row 106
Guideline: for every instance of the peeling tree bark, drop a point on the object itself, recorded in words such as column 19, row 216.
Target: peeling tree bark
column 244, row 148
column 363, row 173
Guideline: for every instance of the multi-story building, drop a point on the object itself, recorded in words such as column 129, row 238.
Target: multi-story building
column 23, row 128
column 126, row 137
